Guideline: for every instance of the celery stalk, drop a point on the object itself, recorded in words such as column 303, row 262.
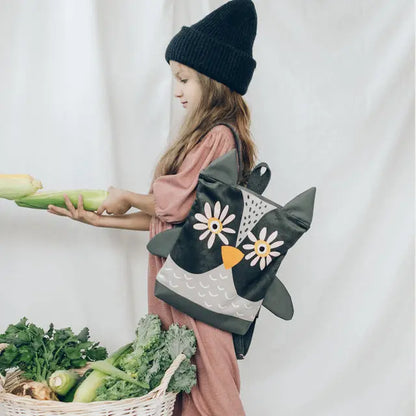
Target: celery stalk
column 87, row 390
column 61, row 381
column 109, row 369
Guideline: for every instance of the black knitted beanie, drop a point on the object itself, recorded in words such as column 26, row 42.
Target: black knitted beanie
column 220, row 45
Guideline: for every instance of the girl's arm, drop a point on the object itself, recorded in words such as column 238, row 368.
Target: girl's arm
column 136, row 221
column 119, row 201
column 144, row 202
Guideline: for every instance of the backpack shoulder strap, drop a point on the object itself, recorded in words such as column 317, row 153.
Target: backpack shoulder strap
column 238, row 148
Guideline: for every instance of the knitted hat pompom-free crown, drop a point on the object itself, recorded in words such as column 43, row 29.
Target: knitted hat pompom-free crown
column 220, row 45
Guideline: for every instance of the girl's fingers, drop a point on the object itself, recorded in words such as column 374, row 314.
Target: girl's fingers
column 69, row 205
column 80, row 202
column 59, row 211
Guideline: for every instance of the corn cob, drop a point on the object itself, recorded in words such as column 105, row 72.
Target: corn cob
column 92, row 199
column 18, row 186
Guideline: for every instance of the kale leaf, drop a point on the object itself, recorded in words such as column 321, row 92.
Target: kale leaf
column 153, row 352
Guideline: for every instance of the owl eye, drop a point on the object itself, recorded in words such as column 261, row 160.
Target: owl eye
column 213, row 223
column 262, row 248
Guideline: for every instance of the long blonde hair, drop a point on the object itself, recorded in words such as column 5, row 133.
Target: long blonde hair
column 217, row 104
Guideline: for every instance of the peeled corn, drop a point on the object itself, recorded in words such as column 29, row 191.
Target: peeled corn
column 18, row 186
column 92, row 199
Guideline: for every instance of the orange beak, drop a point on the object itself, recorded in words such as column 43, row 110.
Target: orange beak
column 231, row 256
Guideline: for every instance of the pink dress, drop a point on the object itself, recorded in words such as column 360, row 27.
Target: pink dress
column 217, row 392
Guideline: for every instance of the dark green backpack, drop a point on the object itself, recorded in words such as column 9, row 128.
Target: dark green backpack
column 221, row 262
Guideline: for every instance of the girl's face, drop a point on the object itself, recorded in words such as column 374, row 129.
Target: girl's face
column 187, row 86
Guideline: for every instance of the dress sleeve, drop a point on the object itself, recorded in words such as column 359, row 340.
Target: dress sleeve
column 175, row 194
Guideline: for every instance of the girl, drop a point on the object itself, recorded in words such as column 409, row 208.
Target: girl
column 212, row 65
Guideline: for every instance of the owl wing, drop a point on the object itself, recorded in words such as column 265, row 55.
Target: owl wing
column 278, row 300
column 162, row 243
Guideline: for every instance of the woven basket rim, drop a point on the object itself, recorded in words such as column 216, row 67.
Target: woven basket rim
column 159, row 393
column 73, row 406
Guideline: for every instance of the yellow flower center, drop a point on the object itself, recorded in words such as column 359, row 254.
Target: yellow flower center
column 262, row 248
column 215, row 225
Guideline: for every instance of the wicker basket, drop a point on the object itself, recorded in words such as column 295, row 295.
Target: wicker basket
column 157, row 402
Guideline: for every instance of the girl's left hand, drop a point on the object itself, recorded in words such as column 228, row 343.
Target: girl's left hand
column 117, row 202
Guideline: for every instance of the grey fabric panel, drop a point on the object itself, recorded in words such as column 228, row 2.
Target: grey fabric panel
column 213, row 290
column 224, row 322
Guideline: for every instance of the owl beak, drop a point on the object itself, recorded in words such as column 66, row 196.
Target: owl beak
column 231, row 256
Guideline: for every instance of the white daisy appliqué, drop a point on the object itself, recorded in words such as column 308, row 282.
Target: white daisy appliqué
column 261, row 248
column 214, row 223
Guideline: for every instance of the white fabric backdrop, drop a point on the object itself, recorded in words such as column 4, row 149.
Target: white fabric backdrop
column 86, row 102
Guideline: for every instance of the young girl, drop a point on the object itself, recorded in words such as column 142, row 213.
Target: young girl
column 212, row 65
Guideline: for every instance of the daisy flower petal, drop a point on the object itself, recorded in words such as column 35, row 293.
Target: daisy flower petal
column 254, row 261
column 224, row 212
column 268, row 260
column 250, row 255
column 204, row 234
column 272, row 236
column 262, row 263
column 274, row 253
column 201, row 218
column 199, row 226
column 262, row 234
column 228, row 219
column 217, row 209
column 276, row 244
column 228, row 230
column 211, row 240
column 248, row 246
column 207, row 209
column 252, row 237
column 223, row 238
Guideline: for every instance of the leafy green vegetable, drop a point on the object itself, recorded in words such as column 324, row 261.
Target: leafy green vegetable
column 153, row 352
column 38, row 353
column 87, row 390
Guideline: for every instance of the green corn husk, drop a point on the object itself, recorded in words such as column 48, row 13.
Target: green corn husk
column 18, row 186
column 92, row 199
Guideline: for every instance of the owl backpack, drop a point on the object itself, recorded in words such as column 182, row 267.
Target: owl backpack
column 221, row 262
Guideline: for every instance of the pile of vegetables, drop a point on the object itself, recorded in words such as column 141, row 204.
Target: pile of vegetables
column 24, row 190
column 51, row 359
column 38, row 354
column 153, row 351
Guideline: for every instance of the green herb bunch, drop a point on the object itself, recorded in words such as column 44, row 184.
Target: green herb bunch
column 38, row 353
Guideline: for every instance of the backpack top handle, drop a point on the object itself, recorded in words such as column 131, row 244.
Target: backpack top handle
column 260, row 176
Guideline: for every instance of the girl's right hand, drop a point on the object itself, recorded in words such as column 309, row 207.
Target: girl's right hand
column 77, row 214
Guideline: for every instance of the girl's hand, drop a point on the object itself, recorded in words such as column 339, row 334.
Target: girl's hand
column 78, row 214
column 117, row 202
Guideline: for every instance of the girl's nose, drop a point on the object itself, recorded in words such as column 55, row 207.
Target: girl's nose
column 177, row 91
